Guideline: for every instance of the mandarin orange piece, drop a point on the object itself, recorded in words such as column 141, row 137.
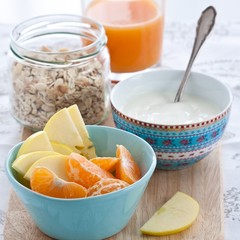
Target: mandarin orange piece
column 46, row 182
column 106, row 163
column 126, row 169
column 106, row 185
column 81, row 170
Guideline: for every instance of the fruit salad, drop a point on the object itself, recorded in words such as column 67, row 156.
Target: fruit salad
column 60, row 161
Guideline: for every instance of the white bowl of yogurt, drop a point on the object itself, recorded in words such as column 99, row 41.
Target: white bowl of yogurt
column 180, row 133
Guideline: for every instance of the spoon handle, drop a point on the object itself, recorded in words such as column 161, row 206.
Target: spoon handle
column 204, row 27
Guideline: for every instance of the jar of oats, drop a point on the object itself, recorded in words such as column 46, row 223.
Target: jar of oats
column 56, row 61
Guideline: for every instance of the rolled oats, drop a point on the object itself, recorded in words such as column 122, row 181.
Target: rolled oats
column 37, row 93
column 56, row 61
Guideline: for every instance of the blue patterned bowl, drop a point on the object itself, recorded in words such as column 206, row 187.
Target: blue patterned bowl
column 180, row 145
column 92, row 218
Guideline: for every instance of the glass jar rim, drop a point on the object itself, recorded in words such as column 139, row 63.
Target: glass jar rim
column 60, row 23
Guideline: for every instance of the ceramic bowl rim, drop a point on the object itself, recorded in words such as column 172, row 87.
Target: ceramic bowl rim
column 111, row 195
column 213, row 119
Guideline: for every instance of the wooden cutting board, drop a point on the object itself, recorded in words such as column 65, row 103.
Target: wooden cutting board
column 203, row 181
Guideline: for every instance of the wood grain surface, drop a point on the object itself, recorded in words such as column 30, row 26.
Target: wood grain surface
column 203, row 181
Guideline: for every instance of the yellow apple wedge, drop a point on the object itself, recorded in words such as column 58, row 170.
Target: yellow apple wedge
column 25, row 161
column 38, row 141
column 176, row 215
column 62, row 148
column 55, row 163
column 89, row 150
column 60, row 128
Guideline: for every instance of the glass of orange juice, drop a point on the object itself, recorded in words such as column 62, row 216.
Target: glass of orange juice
column 134, row 29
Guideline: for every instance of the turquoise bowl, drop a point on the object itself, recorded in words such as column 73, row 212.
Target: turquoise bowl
column 96, row 217
column 176, row 146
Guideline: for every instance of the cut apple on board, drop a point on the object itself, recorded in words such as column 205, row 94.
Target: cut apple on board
column 88, row 150
column 55, row 163
column 174, row 216
column 38, row 141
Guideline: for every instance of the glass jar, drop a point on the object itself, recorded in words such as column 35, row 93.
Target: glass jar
column 56, row 61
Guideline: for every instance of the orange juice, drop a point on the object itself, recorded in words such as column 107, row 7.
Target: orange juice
column 134, row 29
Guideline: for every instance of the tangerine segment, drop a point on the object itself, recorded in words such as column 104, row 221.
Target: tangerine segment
column 46, row 182
column 106, row 185
column 80, row 170
column 126, row 169
column 106, row 163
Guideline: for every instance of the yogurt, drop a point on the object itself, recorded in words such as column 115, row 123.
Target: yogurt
column 159, row 108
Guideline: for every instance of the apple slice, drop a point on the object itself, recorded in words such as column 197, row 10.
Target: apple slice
column 62, row 148
column 61, row 128
column 38, row 141
column 174, row 216
column 25, row 161
column 89, row 150
column 55, row 163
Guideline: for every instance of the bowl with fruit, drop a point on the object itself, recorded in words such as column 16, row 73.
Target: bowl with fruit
column 77, row 181
column 181, row 133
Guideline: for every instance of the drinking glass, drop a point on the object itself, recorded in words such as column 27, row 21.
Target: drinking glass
column 134, row 29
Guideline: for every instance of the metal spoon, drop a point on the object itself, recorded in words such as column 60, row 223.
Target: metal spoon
column 204, row 27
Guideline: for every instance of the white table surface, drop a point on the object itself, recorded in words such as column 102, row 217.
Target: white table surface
column 219, row 57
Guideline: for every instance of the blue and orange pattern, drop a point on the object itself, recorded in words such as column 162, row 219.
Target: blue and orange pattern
column 176, row 146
